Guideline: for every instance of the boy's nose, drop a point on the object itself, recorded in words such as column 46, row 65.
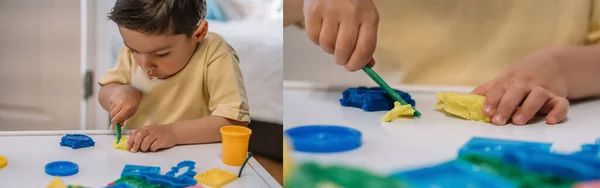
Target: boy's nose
column 148, row 62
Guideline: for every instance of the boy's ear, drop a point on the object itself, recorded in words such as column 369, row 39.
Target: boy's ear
column 200, row 31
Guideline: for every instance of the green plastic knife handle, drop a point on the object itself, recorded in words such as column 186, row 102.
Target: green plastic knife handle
column 118, row 133
column 387, row 88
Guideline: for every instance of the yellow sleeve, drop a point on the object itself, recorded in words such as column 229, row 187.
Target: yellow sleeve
column 225, row 86
column 593, row 35
column 121, row 73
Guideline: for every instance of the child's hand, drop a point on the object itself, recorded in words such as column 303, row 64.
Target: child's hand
column 345, row 28
column 123, row 103
column 151, row 138
column 536, row 83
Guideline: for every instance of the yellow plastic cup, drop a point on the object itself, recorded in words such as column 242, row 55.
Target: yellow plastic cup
column 235, row 144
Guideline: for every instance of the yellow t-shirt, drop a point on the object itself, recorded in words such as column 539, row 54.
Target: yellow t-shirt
column 469, row 42
column 210, row 84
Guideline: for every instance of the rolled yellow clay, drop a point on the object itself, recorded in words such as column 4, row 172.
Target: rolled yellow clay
column 467, row 106
column 399, row 110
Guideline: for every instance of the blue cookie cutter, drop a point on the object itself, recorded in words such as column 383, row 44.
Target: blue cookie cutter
column 452, row 174
column 372, row 99
column 324, row 138
column 76, row 141
column 498, row 147
column 61, row 168
column 136, row 170
column 576, row 167
column 190, row 170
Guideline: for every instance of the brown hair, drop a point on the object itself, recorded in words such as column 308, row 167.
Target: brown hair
column 159, row 16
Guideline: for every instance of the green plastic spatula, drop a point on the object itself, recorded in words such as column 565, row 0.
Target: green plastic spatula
column 387, row 88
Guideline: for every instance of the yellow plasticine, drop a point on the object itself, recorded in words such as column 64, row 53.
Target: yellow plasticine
column 122, row 145
column 215, row 178
column 468, row 106
column 399, row 110
column 56, row 183
column 3, row 162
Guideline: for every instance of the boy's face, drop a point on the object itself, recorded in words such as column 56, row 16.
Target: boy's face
column 162, row 56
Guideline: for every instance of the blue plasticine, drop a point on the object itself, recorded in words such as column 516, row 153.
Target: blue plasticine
column 169, row 181
column 76, row 141
column 134, row 170
column 576, row 167
column 61, row 168
column 498, row 147
column 324, row 138
column 372, row 99
column 190, row 170
column 452, row 174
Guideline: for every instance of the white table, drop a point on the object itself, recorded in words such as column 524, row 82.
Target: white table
column 413, row 143
column 29, row 151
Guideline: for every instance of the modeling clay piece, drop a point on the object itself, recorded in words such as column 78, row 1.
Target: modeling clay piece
column 398, row 111
column 190, row 173
column 195, row 186
column 168, row 181
column 133, row 182
column 76, row 186
column 561, row 165
column 515, row 174
column 215, row 178
column 468, row 106
column 120, row 185
column 3, row 162
column 122, row 145
column 76, row 141
column 498, row 147
column 453, row 174
column 136, row 170
column 324, row 138
column 371, row 99
column 56, row 183
column 309, row 175
column 61, row 168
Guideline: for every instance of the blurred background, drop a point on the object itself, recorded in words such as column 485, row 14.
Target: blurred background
column 53, row 52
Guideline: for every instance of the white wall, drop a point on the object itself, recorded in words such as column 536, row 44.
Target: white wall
column 305, row 61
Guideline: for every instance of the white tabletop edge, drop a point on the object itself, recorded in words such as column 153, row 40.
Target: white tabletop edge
column 269, row 180
column 297, row 85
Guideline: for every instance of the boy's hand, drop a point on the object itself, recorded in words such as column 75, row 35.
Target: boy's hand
column 124, row 103
column 536, row 84
column 151, row 138
column 345, row 28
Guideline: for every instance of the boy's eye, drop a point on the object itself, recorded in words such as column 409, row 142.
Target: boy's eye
column 162, row 55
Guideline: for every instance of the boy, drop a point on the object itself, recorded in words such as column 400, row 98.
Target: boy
column 174, row 82
column 527, row 57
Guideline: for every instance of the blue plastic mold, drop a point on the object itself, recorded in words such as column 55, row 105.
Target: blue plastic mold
column 453, row 174
column 136, row 170
column 61, row 168
column 371, row 99
column 190, row 169
column 324, row 138
column 497, row 147
column 576, row 167
column 76, row 141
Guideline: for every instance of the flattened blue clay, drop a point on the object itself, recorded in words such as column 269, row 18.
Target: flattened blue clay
column 76, row 141
column 372, row 99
